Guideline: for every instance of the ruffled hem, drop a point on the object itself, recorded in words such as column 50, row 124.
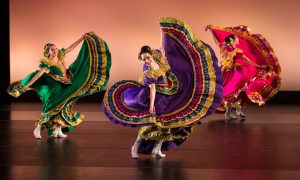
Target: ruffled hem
column 270, row 78
column 205, row 95
column 97, row 58
column 15, row 89
column 172, row 139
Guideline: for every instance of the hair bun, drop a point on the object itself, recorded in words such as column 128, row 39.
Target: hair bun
column 46, row 50
column 145, row 49
column 229, row 37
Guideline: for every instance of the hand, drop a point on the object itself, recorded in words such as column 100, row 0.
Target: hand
column 152, row 110
column 264, row 67
column 82, row 37
column 25, row 88
column 207, row 27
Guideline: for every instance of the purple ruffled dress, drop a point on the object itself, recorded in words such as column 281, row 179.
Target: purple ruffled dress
column 190, row 90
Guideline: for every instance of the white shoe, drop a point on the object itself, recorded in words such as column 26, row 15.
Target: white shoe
column 158, row 154
column 58, row 133
column 227, row 115
column 37, row 132
column 232, row 116
column 239, row 112
column 134, row 151
column 135, row 148
column 55, row 133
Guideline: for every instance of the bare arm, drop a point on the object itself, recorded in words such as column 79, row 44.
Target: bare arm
column 223, row 54
column 162, row 42
column 216, row 41
column 152, row 97
column 35, row 77
column 70, row 48
column 65, row 69
column 251, row 62
column 208, row 27
column 223, row 51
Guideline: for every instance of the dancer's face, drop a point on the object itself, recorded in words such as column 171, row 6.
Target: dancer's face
column 53, row 51
column 235, row 42
column 147, row 58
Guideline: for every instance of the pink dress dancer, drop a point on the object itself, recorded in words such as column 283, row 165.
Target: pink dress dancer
column 251, row 72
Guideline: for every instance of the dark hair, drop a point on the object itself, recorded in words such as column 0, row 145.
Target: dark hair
column 145, row 49
column 227, row 39
column 46, row 49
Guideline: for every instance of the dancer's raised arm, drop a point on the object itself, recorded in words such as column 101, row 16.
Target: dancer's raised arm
column 162, row 42
column 72, row 46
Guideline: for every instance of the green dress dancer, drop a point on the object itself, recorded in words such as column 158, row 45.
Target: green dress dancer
column 59, row 88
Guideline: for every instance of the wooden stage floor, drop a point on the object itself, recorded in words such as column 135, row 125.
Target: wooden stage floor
column 264, row 147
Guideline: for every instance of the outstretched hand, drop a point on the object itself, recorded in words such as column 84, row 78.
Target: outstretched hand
column 264, row 67
column 82, row 36
column 25, row 88
column 207, row 27
column 152, row 110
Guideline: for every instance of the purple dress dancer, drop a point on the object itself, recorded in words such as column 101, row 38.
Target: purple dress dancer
column 182, row 83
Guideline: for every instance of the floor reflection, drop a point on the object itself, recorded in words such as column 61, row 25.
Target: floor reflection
column 160, row 169
column 265, row 146
column 55, row 154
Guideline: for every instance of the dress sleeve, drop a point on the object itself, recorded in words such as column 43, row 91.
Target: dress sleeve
column 63, row 51
column 223, row 51
column 148, row 80
column 43, row 65
column 239, row 53
column 147, row 76
column 154, row 77
column 61, row 54
column 161, row 60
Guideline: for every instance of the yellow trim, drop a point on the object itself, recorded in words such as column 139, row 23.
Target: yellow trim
column 212, row 85
column 54, row 110
column 103, row 68
column 248, row 36
column 146, row 120
column 16, row 84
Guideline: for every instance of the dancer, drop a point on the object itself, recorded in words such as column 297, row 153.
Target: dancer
column 59, row 88
column 182, row 83
column 251, row 72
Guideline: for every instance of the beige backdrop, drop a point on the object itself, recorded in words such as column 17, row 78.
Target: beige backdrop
column 126, row 25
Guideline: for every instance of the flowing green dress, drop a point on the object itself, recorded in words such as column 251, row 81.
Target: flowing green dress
column 88, row 74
